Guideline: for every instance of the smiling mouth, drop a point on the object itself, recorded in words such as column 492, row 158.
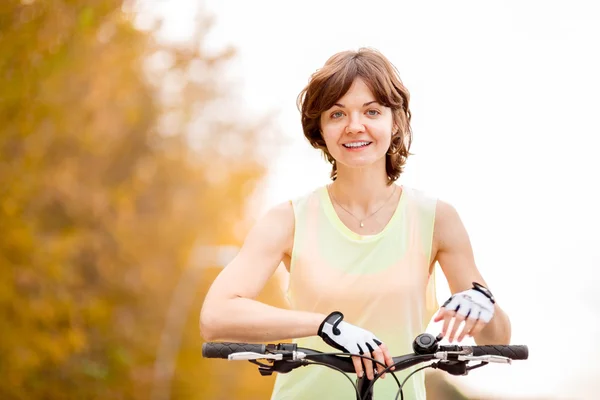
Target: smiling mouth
column 356, row 145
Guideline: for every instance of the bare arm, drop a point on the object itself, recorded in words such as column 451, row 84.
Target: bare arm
column 455, row 256
column 230, row 312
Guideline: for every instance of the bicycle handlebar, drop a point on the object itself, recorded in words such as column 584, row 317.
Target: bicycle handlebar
column 285, row 357
column 225, row 349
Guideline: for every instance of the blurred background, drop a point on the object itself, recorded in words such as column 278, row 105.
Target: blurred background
column 139, row 141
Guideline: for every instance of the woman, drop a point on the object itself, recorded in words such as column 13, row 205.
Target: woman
column 360, row 251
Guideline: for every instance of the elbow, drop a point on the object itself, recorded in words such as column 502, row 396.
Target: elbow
column 208, row 325
column 216, row 319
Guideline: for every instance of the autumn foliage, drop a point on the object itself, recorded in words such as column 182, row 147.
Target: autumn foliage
column 114, row 167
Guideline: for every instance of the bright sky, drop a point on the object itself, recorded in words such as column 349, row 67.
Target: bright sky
column 505, row 99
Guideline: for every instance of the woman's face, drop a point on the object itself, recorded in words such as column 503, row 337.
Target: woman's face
column 357, row 129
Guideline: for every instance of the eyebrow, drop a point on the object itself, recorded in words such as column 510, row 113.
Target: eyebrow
column 364, row 105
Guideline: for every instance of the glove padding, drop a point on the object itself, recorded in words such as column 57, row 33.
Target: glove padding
column 476, row 303
column 347, row 337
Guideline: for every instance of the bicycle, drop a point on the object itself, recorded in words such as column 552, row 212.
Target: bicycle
column 285, row 357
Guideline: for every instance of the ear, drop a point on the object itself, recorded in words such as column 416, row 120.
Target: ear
column 395, row 127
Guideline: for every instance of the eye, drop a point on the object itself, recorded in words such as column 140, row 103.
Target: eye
column 337, row 114
column 373, row 112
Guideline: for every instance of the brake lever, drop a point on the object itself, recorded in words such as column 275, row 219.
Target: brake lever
column 486, row 359
column 250, row 355
column 467, row 356
column 481, row 364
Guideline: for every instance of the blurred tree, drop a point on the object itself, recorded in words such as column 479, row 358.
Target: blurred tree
column 115, row 160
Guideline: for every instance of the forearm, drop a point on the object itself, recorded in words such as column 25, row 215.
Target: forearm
column 246, row 320
column 497, row 331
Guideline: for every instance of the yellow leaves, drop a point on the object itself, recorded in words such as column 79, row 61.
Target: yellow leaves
column 98, row 212
column 86, row 17
column 10, row 207
column 76, row 339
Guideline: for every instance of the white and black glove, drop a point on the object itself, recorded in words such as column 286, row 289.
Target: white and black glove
column 476, row 303
column 347, row 337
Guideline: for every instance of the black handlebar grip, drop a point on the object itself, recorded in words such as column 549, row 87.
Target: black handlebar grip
column 512, row 352
column 224, row 349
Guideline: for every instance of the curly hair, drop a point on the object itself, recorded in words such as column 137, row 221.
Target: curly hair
column 328, row 84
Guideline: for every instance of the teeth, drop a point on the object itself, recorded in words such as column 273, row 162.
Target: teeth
column 356, row 144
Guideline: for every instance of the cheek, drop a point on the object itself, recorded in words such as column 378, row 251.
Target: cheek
column 382, row 133
column 330, row 136
column 387, row 132
column 388, row 139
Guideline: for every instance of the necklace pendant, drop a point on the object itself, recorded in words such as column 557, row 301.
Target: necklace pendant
column 361, row 224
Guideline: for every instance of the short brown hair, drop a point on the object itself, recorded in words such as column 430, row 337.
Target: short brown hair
column 328, row 84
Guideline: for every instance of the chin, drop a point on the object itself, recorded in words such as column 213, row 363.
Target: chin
column 362, row 162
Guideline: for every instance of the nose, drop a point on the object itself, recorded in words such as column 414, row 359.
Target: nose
column 355, row 124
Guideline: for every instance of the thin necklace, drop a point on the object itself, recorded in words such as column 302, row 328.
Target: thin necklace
column 360, row 221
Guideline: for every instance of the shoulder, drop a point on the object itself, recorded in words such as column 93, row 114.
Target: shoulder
column 417, row 194
column 277, row 224
column 279, row 218
column 308, row 196
column 424, row 202
column 448, row 226
column 444, row 212
column 273, row 231
column 284, row 210
column 424, row 199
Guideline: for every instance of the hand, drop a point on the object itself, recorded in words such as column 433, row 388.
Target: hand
column 354, row 340
column 475, row 305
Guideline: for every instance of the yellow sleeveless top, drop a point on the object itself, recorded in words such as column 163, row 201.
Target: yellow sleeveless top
column 380, row 283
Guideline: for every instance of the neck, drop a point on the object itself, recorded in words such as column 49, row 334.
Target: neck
column 361, row 190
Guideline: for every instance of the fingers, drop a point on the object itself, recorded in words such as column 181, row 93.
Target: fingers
column 380, row 358
column 486, row 315
column 440, row 315
column 447, row 316
column 380, row 353
column 451, row 305
column 471, row 321
column 368, row 364
column 368, row 368
column 472, row 326
column 460, row 308
column 387, row 356
column 459, row 318
column 469, row 325
column 358, row 367
column 478, row 327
